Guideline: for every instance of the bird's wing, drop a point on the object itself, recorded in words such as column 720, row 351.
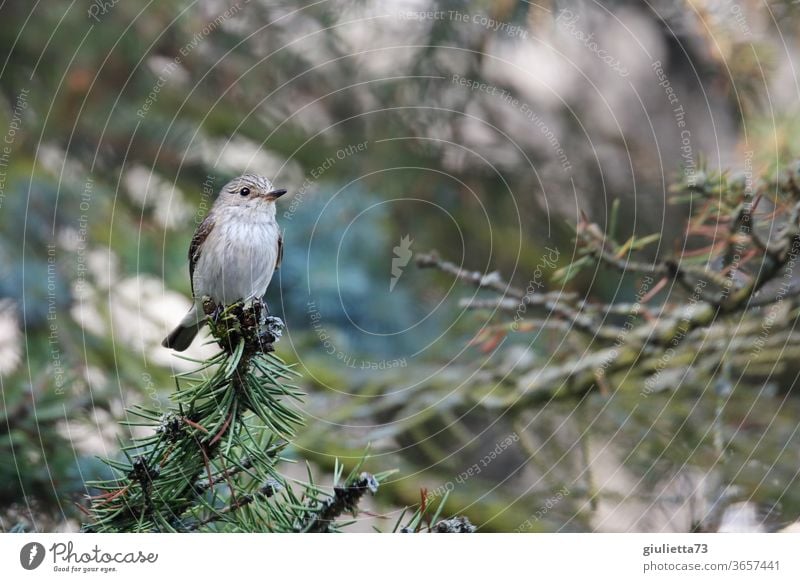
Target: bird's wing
column 196, row 246
column 280, row 250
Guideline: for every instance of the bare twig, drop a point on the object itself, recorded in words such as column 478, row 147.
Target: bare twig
column 482, row 280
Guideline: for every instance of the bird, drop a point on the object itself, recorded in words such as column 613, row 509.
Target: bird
column 234, row 252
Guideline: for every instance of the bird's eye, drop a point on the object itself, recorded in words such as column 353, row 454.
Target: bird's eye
column 244, row 191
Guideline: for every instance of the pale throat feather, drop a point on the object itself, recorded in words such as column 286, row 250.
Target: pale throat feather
column 240, row 254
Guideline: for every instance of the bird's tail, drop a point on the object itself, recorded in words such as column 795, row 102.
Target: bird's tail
column 182, row 336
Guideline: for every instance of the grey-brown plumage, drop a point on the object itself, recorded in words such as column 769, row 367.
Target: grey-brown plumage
column 200, row 236
column 234, row 252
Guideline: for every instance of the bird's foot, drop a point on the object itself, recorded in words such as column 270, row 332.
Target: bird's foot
column 216, row 313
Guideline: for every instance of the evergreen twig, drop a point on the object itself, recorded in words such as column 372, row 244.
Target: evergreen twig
column 211, row 461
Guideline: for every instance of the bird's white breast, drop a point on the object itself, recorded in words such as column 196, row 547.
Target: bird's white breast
column 238, row 256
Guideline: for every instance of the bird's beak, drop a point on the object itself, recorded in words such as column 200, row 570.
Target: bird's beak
column 275, row 194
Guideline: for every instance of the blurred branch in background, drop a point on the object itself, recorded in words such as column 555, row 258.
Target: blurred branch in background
column 735, row 267
column 729, row 310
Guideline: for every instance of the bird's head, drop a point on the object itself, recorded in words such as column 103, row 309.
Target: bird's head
column 250, row 191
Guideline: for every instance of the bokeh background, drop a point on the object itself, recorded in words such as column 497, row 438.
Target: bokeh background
column 479, row 129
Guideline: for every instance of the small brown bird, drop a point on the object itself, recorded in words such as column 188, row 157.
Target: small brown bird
column 233, row 253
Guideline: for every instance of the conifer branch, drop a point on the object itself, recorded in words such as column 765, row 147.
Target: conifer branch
column 212, row 460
